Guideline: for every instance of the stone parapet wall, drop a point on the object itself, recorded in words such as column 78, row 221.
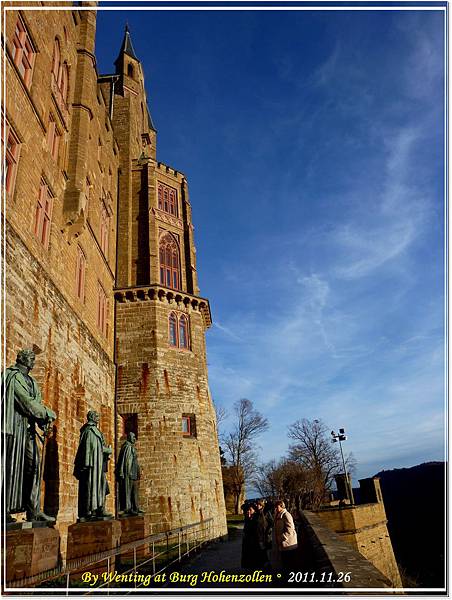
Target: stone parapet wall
column 329, row 553
column 365, row 528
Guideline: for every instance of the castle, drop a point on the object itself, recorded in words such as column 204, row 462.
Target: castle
column 101, row 269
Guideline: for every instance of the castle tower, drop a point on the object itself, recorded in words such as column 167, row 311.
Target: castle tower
column 162, row 391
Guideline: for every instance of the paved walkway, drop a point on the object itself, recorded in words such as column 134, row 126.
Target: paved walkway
column 212, row 566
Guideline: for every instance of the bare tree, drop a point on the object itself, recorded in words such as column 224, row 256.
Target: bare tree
column 221, row 414
column 288, row 480
column 240, row 445
column 320, row 458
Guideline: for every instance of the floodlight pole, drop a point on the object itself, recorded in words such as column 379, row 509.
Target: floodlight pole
column 341, row 437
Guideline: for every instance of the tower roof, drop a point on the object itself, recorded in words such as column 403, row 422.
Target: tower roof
column 127, row 46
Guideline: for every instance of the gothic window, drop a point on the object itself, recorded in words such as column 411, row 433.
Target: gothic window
column 23, row 52
column 173, row 330
column 130, row 70
column 60, row 71
column 80, row 274
column 178, row 331
column 11, row 143
column 56, row 62
column 167, row 199
column 169, row 262
column 183, row 332
column 43, row 215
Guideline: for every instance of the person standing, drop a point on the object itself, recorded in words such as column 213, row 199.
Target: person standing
column 285, row 537
column 264, row 532
column 250, row 544
column 23, row 410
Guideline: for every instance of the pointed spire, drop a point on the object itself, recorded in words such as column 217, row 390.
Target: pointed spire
column 127, row 46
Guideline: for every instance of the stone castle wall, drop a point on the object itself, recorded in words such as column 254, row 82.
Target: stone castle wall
column 364, row 526
column 96, row 169
column 181, row 475
column 74, row 366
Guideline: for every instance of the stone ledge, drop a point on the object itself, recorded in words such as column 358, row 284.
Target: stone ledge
column 177, row 298
column 330, row 553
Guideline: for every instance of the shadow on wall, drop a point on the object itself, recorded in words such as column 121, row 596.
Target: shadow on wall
column 52, row 475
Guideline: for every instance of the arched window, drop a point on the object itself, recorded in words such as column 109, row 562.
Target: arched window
column 56, row 59
column 60, row 72
column 178, row 331
column 173, row 330
column 169, row 262
column 63, row 84
column 183, row 332
column 130, row 70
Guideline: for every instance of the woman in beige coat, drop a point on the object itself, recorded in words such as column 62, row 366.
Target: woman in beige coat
column 285, row 536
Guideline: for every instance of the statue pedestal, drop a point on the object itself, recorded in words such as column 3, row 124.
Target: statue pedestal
column 31, row 550
column 134, row 529
column 93, row 537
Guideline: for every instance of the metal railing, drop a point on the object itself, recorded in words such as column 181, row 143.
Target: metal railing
column 159, row 551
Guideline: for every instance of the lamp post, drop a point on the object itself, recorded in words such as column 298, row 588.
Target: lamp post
column 341, row 437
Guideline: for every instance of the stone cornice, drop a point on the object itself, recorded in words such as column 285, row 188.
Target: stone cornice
column 177, row 298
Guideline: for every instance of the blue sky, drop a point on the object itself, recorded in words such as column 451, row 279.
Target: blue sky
column 314, row 147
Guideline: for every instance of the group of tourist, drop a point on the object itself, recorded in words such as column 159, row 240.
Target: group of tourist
column 269, row 537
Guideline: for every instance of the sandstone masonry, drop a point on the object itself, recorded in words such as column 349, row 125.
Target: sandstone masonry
column 101, row 269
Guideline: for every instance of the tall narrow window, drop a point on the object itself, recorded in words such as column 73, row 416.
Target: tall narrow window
column 80, row 274
column 173, row 330
column 60, row 72
column 189, row 425
column 11, row 142
column 63, row 81
column 104, row 229
column 169, row 262
column 56, row 62
column 186, row 425
column 167, row 199
column 183, row 332
column 102, row 309
column 23, row 52
column 43, row 215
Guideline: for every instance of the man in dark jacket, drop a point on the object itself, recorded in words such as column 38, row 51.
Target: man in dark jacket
column 264, row 532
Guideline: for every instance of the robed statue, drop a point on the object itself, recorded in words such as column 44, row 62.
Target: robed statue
column 90, row 467
column 23, row 412
column 127, row 475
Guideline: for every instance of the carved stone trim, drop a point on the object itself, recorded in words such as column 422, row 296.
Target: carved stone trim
column 166, row 218
column 174, row 297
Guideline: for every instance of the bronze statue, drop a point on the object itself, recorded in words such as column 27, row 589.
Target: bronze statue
column 127, row 474
column 22, row 411
column 90, row 467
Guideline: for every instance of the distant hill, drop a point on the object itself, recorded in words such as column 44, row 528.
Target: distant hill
column 415, row 506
